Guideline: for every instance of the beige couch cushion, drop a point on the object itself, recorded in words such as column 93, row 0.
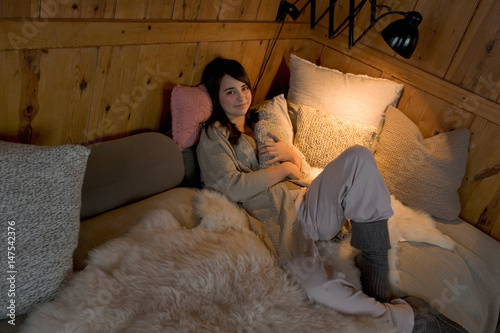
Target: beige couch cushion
column 99, row 229
column 463, row 284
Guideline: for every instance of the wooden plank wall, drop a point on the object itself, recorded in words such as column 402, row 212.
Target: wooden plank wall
column 76, row 71
column 80, row 71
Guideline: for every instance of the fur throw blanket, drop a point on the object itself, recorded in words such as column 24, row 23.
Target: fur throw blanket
column 217, row 277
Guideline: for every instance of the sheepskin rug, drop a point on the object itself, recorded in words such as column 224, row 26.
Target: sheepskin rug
column 161, row 277
column 217, row 277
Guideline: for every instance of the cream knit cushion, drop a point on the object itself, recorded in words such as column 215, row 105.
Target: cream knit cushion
column 422, row 173
column 357, row 98
column 321, row 137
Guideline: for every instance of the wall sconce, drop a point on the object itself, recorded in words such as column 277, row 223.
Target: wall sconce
column 401, row 35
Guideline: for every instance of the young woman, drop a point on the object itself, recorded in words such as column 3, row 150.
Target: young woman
column 289, row 213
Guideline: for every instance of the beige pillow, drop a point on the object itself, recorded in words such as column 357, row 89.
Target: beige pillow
column 357, row 98
column 423, row 174
column 321, row 137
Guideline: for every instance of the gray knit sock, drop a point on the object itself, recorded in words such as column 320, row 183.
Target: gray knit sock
column 372, row 238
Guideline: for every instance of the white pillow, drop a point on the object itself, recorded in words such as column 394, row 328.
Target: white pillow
column 321, row 137
column 357, row 98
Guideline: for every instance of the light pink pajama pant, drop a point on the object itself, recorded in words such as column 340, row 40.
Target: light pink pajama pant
column 350, row 187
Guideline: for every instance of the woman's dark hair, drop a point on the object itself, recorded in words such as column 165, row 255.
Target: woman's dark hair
column 211, row 78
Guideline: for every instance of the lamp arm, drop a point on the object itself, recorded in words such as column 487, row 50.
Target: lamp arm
column 349, row 20
column 308, row 2
column 373, row 21
column 330, row 8
column 353, row 12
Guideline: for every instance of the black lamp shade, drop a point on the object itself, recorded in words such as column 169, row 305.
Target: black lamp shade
column 402, row 35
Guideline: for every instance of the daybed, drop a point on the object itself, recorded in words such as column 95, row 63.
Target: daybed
column 156, row 253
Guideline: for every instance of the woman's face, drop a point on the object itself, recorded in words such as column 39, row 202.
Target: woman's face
column 235, row 97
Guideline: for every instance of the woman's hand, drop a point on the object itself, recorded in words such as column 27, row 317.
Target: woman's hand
column 277, row 173
column 279, row 151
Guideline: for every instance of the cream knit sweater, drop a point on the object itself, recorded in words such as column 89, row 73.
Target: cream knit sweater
column 234, row 171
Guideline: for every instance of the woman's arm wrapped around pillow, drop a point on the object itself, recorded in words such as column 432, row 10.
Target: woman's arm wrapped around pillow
column 274, row 150
column 222, row 171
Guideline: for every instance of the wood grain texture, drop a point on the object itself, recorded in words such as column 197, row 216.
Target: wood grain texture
column 238, row 50
column 249, row 10
column 209, row 10
column 60, row 9
column 19, row 8
column 160, row 9
column 230, row 9
column 65, row 93
column 98, row 9
column 475, row 65
column 186, row 9
column 11, row 76
column 268, row 10
column 130, row 9
column 481, row 185
column 17, row 34
column 29, row 106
